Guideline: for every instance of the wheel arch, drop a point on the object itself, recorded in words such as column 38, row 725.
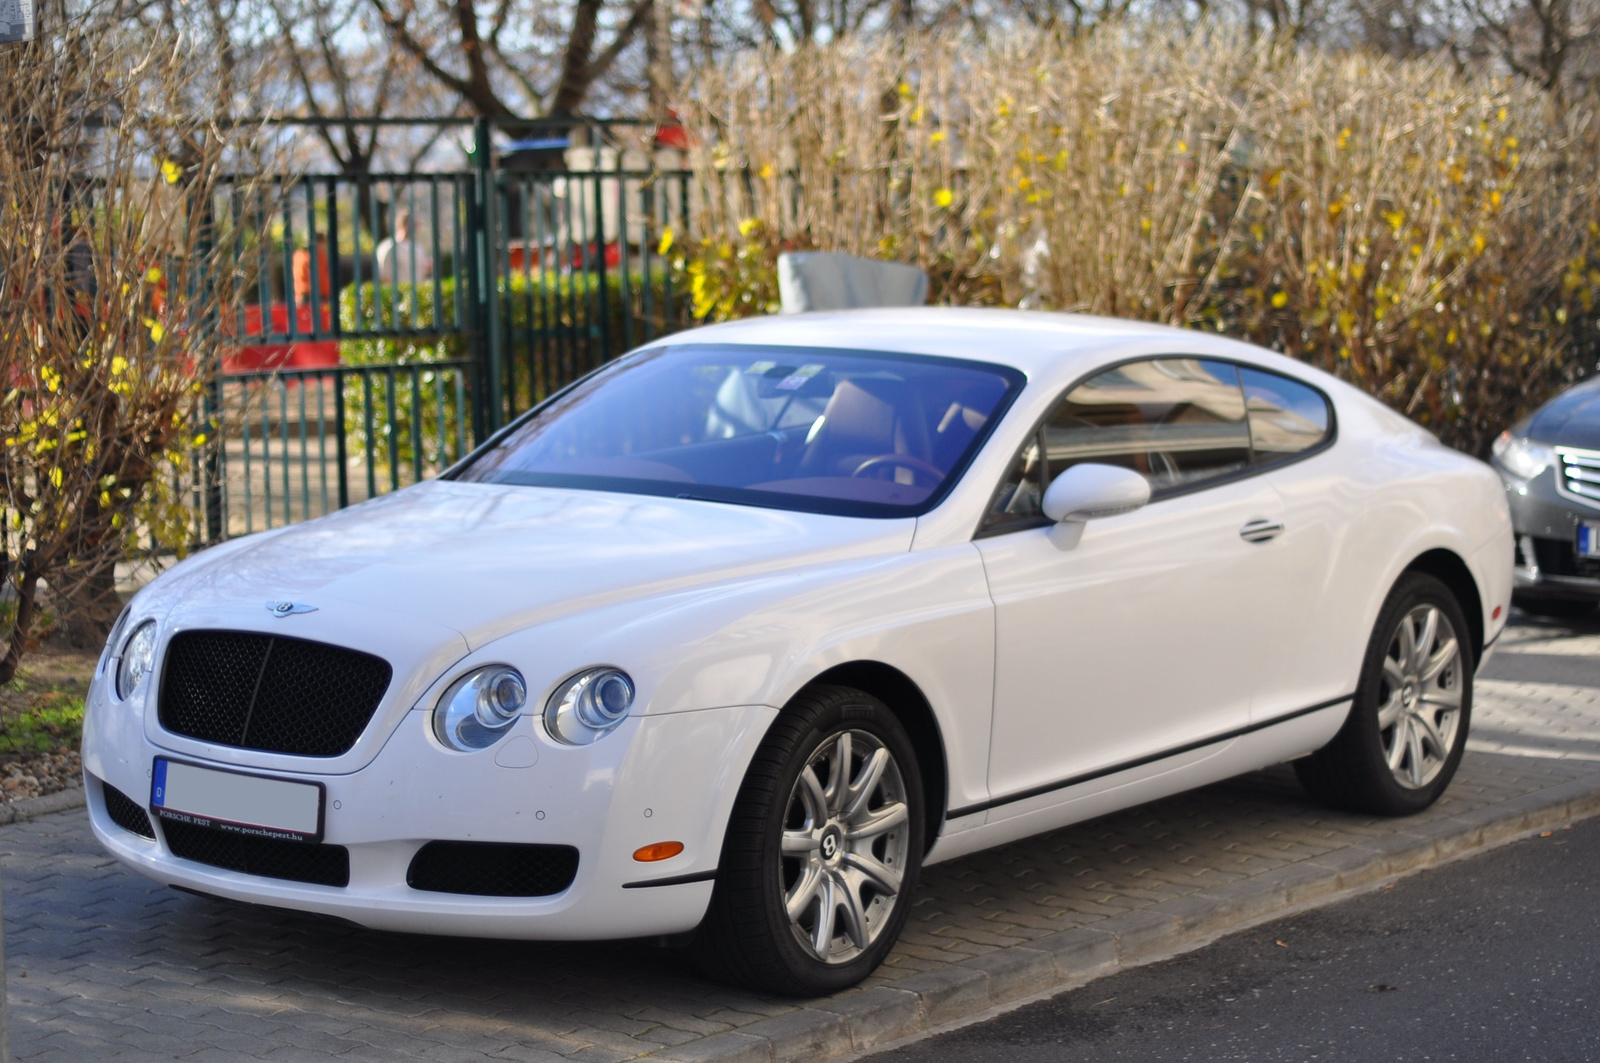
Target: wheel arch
column 906, row 700
column 1449, row 568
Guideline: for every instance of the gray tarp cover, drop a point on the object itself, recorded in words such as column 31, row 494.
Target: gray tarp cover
column 824, row 280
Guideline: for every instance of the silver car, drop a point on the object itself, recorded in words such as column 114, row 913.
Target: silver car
column 1550, row 462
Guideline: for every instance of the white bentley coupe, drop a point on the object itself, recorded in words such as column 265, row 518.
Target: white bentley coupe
column 731, row 638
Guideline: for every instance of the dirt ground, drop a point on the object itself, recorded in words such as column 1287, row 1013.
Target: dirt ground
column 50, row 678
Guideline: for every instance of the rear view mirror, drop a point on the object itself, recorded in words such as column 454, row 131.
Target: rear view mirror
column 1090, row 491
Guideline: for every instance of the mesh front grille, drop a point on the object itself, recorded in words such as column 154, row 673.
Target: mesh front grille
column 322, row 865
column 268, row 692
column 493, row 869
column 126, row 813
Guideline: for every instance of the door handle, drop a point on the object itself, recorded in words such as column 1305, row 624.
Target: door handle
column 1259, row 531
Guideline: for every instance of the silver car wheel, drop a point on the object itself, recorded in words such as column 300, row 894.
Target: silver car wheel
column 846, row 840
column 1419, row 698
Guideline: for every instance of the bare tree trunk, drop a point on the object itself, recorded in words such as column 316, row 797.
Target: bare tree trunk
column 90, row 607
column 574, row 83
column 27, row 607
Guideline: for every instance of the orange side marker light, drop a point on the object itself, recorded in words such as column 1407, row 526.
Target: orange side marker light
column 649, row 854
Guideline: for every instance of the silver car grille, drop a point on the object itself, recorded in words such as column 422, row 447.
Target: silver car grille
column 1579, row 475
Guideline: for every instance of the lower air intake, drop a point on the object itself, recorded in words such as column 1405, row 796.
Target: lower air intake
column 126, row 813
column 493, row 869
column 321, row 865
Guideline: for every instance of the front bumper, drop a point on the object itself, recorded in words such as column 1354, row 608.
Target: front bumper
column 1546, row 523
column 658, row 778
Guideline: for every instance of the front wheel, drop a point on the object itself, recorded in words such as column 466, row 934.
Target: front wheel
column 1407, row 728
column 822, row 851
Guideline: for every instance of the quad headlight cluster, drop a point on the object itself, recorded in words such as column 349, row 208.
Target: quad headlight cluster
column 482, row 706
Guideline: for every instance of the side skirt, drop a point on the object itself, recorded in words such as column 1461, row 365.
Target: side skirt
column 1081, row 797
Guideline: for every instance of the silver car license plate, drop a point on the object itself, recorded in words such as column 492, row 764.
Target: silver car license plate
column 1588, row 539
column 233, row 801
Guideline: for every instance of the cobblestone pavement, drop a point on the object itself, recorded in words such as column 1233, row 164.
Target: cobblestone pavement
column 104, row 964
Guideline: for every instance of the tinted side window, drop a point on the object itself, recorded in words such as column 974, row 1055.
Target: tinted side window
column 1177, row 421
column 1286, row 416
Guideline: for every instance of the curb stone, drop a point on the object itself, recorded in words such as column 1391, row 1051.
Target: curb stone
column 858, row 1021
column 44, row 804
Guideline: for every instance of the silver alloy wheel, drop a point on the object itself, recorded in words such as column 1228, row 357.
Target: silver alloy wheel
column 846, row 840
column 1419, row 699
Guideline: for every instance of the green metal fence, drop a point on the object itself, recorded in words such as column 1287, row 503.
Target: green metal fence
column 369, row 351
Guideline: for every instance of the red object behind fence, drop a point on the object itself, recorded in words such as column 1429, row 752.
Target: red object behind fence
column 299, row 354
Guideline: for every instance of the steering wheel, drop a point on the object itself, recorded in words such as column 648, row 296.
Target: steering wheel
column 917, row 466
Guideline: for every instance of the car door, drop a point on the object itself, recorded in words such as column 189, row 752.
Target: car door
column 1141, row 635
column 1316, row 638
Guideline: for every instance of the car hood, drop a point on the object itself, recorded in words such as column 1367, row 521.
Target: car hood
column 487, row 559
column 1571, row 419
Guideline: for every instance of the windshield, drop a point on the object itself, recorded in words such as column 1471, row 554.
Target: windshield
column 848, row 432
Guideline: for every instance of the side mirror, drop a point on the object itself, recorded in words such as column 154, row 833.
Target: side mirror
column 1090, row 491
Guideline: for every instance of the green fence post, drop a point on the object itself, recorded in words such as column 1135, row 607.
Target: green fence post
column 212, row 456
column 485, row 259
column 606, row 353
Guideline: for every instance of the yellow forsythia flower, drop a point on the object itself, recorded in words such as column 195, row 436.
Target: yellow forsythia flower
column 943, row 197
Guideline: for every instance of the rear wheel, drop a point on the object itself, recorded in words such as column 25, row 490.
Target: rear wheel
column 1407, row 728
column 822, row 851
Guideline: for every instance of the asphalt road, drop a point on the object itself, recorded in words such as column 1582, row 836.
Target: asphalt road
column 1492, row 958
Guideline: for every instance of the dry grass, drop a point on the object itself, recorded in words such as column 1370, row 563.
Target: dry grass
column 1427, row 235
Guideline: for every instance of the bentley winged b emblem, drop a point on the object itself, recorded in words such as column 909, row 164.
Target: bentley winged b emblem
column 289, row 608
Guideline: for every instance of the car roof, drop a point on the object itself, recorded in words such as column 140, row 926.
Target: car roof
column 1042, row 344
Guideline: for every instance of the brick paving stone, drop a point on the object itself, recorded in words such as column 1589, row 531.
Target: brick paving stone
column 104, row 964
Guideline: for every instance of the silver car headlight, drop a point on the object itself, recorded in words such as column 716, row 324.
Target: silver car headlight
column 588, row 706
column 480, row 708
column 1520, row 456
column 136, row 659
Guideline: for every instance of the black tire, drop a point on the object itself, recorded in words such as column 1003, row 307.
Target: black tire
column 747, row 937
column 1351, row 772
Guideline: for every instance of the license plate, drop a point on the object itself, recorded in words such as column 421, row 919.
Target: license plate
column 1588, row 539
column 232, row 801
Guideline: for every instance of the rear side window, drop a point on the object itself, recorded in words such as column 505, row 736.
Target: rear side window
column 1176, row 421
column 1286, row 416
column 1179, row 422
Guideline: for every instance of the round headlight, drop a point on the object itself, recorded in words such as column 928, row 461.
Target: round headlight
column 137, row 658
column 588, row 706
column 480, row 707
